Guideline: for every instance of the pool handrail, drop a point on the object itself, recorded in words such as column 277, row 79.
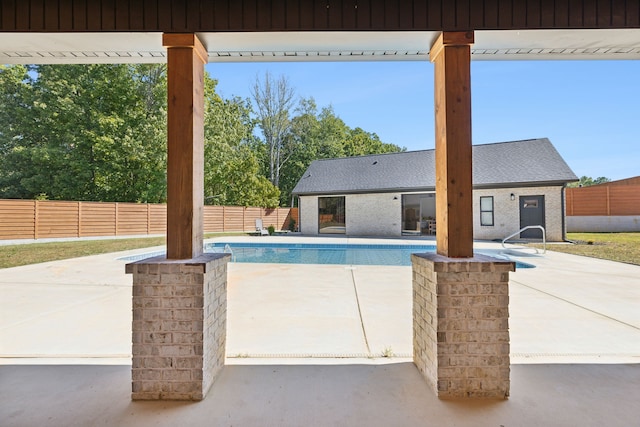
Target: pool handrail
column 544, row 237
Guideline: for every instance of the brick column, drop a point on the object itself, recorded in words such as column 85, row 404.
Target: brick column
column 179, row 326
column 461, row 324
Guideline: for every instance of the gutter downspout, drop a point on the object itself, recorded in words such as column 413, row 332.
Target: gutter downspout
column 564, row 213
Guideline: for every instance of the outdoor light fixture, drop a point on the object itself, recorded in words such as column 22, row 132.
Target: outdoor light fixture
column 513, row 196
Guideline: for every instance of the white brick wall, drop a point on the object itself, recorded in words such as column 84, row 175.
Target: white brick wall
column 461, row 325
column 506, row 218
column 366, row 214
column 308, row 214
column 379, row 215
column 374, row 214
column 179, row 326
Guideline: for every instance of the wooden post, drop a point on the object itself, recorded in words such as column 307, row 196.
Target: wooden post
column 79, row 219
column 185, row 143
column 36, row 218
column 451, row 55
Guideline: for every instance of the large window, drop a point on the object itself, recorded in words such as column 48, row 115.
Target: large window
column 486, row 210
column 418, row 214
column 331, row 215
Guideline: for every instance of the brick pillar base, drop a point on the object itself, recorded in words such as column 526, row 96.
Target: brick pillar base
column 461, row 324
column 179, row 326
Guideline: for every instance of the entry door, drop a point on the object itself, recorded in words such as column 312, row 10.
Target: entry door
column 531, row 213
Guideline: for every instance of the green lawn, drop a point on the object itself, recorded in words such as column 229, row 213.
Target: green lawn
column 623, row 247
column 32, row 253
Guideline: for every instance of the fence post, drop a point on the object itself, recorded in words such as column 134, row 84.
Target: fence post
column 79, row 219
column 116, row 211
column 35, row 219
column 148, row 219
column 608, row 202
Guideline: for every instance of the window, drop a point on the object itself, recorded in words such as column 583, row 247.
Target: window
column 331, row 218
column 486, row 210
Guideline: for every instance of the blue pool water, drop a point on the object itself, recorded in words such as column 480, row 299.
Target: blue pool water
column 284, row 253
column 307, row 253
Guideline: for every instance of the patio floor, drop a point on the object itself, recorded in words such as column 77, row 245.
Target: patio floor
column 305, row 346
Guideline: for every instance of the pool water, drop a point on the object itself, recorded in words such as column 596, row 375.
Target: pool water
column 283, row 253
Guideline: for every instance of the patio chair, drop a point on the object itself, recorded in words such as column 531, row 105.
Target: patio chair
column 260, row 228
column 432, row 226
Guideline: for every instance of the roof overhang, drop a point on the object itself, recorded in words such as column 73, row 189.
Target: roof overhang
column 409, row 190
column 117, row 47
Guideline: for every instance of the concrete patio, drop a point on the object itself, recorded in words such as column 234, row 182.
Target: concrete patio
column 305, row 346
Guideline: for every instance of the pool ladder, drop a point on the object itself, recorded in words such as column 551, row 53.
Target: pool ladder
column 544, row 237
column 227, row 250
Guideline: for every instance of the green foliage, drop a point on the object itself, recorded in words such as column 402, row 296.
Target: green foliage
column 271, row 229
column 586, row 181
column 98, row 132
column 232, row 170
column 87, row 132
column 322, row 135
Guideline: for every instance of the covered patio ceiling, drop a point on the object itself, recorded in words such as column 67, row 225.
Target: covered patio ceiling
column 117, row 47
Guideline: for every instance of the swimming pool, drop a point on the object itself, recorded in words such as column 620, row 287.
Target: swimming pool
column 344, row 254
column 336, row 254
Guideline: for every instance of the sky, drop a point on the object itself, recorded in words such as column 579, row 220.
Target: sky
column 589, row 110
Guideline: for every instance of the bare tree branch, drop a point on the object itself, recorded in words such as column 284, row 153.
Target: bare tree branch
column 274, row 100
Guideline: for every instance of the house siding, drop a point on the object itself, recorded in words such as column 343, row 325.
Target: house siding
column 308, row 215
column 378, row 214
column 506, row 217
column 365, row 214
column 374, row 214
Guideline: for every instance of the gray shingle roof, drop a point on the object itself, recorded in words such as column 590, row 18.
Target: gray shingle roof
column 517, row 163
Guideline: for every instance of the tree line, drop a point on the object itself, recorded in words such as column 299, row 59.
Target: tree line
column 98, row 133
column 587, row 181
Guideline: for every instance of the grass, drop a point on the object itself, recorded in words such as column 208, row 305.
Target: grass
column 33, row 253
column 622, row 247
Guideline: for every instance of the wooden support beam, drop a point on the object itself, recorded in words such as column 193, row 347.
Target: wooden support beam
column 185, row 144
column 451, row 55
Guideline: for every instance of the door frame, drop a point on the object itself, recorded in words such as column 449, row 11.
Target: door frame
column 532, row 233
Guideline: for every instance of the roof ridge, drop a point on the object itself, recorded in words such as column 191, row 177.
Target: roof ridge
column 513, row 142
column 333, row 159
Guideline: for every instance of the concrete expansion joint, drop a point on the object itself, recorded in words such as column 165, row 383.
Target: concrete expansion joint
column 576, row 305
column 355, row 290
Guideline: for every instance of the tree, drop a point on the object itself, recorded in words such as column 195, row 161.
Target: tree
column 14, row 90
column 231, row 167
column 322, row 135
column 89, row 132
column 586, row 181
column 274, row 99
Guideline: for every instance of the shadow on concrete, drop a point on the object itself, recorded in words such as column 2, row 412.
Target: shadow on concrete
column 320, row 395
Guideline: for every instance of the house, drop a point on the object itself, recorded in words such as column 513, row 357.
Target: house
column 515, row 184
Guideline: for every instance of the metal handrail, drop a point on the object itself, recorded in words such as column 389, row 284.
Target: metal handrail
column 227, row 250
column 544, row 237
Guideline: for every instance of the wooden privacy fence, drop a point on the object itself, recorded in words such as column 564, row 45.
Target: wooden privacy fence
column 603, row 200
column 35, row 219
